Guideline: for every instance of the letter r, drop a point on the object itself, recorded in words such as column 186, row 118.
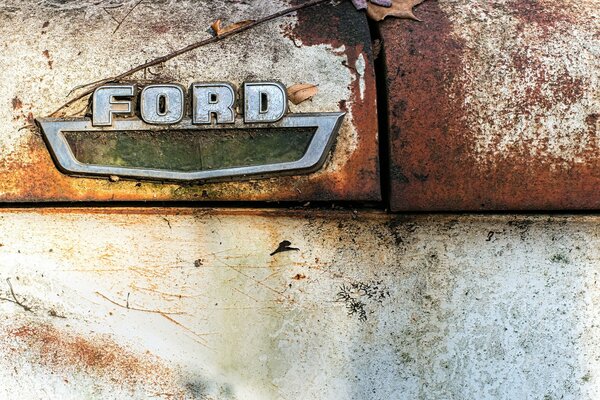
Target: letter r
column 213, row 99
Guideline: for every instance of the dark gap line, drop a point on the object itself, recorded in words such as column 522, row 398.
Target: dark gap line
column 382, row 115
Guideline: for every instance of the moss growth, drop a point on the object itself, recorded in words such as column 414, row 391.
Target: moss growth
column 586, row 377
column 559, row 258
column 406, row 358
column 190, row 150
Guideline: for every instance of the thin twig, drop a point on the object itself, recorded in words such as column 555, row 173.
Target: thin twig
column 176, row 53
column 28, row 126
column 127, row 15
column 126, row 306
column 111, row 16
column 113, row 6
column 14, row 297
column 76, row 88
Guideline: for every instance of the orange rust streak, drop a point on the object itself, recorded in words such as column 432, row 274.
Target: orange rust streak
column 138, row 309
column 270, row 275
column 246, row 294
column 96, row 355
column 198, row 336
column 252, row 278
column 175, row 295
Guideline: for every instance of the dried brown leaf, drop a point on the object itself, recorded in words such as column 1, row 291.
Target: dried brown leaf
column 220, row 30
column 301, row 92
column 399, row 9
column 216, row 27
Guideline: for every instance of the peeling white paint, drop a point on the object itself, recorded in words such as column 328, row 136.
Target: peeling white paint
column 360, row 70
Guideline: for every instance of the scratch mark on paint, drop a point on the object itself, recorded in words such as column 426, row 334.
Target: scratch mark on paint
column 138, row 309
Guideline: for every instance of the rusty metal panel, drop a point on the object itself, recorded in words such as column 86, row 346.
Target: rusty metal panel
column 189, row 304
column 495, row 105
column 50, row 47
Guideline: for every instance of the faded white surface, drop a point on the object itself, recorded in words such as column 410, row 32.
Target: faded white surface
column 491, row 307
column 519, row 74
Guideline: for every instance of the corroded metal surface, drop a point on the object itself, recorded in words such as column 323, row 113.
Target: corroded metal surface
column 495, row 105
column 189, row 304
column 50, row 47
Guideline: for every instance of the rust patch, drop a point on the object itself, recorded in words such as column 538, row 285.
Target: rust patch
column 38, row 179
column 46, row 54
column 543, row 14
column 342, row 29
column 17, row 104
column 566, row 89
column 435, row 165
column 593, row 123
column 97, row 356
column 22, row 112
column 337, row 25
column 160, row 28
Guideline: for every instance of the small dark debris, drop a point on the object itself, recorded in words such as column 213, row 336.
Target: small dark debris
column 421, row 177
column 53, row 313
column 522, row 225
column 284, row 246
column 398, row 176
column 198, row 263
column 350, row 67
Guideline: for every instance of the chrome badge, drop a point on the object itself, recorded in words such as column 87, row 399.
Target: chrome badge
column 158, row 133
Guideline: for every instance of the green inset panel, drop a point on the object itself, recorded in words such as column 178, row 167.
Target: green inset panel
column 190, row 150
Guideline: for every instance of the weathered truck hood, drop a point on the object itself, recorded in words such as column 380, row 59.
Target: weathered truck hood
column 52, row 47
